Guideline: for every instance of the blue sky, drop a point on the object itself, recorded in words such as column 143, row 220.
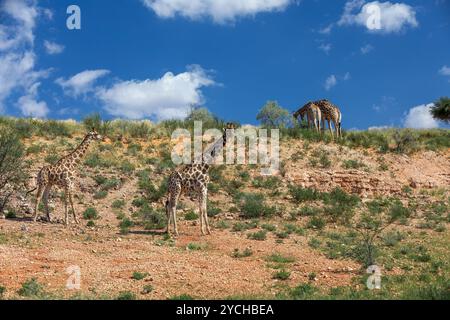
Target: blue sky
column 153, row 58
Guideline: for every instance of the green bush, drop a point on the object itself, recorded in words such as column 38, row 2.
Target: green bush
column 139, row 275
column 300, row 194
column 31, row 289
column 118, row 204
column 259, row 235
column 281, row 275
column 253, row 205
column 90, row 214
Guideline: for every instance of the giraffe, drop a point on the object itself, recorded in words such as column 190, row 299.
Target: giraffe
column 194, row 178
column 62, row 175
column 313, row 113
column 330, row 113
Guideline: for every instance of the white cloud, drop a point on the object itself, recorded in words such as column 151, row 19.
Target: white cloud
column 32, row 108
column 221, row 11
column 24, row 14
column 392, row 18
column 366, row 49
column 17, row 57
column 445, row 71
column 327, row 29
column 325, row 47
column 330, row 82
column 420, row 118
column 379, row 128
column 82, row 82
column 164, row 98
column 52, row 47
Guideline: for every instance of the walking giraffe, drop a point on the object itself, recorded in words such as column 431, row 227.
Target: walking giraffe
column 330, row 113
column 62, row 175
column 194, row 178
column 313, row 114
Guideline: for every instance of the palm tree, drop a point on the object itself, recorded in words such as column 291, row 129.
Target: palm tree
column 441, row 109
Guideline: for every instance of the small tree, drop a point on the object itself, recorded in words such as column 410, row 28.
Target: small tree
column 380, row 214
column 12, row 175
column 441, row 110
column 274, row 116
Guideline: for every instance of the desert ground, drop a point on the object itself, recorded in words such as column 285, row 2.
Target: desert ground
column 270, row 238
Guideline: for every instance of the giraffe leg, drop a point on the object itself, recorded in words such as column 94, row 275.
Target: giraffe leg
column 200, row 210
column 38, row 199
column 73, row 209
column 45, row 198
column 205, row 209
column 66, row 210
column 330, row 128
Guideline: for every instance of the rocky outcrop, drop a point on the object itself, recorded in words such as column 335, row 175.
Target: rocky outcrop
column 352, row 181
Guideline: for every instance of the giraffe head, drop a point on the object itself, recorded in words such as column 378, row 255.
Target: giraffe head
column 94, row 135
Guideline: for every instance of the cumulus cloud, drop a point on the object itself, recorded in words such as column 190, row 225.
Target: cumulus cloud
column 29, row 104
column 330, row 82
column 366, row 49
column 17, row 58
column 445, row 71
column 220, row 11
column 382, row 17
column 420, row 118
column 325, row 47
column 164, row 98
column 82, row 82
column 53, row 47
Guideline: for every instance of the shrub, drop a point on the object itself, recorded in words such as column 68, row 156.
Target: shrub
column 303, row 194
column 253, row 206
column 303, row 291
column 238, row 254
column 90, row 214
column 139, row 275
column 269, row 227
column 195, row 246
column 148, row 288
column 12, row 166
column 125, row 225
column 182, row 297
column 31, row 288
column 151, row 218
column 126, row 295
column 281, row 275
column 2, row 291
column 191, row 215
column 279, row 258
column 274, row 116
column 259, row 235
column 100, row 194
column 118, row 204
column 316, row 223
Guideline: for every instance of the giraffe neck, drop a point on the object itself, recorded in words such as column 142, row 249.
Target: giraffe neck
column 78, row 154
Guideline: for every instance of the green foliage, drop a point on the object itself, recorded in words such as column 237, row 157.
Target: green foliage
column 303, row 291
column 281, row 275
column 279, row 258
column 441, row 109
column 12, row 165
column 242, row 226
column 300, row 194
column 90, row 214
column 152, row 192
column 125, row 225
column 2, row 291
column 274, row 116
column 253, row 205
column 118, row 204
column 182, row 297
column 316, row 223
column 139, row 275
column 31, row 289
column 247, row 252
column 353, row 164
column 191, row 215
column 126, row 295
column 259, row 235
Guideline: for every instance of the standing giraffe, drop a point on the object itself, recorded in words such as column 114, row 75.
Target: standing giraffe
column 194, row 178
column 330, row 113
column 313, row 113
column 62, row 175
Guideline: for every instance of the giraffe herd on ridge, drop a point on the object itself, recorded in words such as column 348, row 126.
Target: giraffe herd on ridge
column 188, row 179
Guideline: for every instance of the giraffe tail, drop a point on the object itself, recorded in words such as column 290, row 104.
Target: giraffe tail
column 30, row 191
